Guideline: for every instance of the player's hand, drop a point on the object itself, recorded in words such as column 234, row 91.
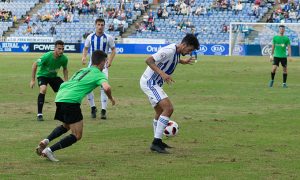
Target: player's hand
column 83, row 60
column 190, row 61
column 290, row 59
column 168, row 79
column 271, row 58
column 113, row 102
column 32, row 83
column 108, row 64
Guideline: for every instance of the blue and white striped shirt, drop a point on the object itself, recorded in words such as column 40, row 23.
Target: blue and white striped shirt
column 103, row 43
column 166, row 60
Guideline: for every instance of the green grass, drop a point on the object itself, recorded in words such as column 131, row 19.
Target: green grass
column 232, row 126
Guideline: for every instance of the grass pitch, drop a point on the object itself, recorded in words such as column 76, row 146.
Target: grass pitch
column 232, row 126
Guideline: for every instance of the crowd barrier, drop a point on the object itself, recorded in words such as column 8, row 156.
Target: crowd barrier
column 205, row 49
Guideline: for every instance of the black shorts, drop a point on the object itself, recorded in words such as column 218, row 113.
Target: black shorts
column 278, row 60
column 68, row 113
column 54, row 82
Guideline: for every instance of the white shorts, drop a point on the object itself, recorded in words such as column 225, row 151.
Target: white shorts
column 155, row 93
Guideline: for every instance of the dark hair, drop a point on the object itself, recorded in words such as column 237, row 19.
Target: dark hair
column 99, row 20
column 59, row 42
column 281, row 26
column 98, row 56
column 191, row 40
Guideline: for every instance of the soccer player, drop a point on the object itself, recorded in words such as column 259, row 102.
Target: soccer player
column 68, row 100
column 279, row 44
column 99, row 41
column 48, row 66
column 161, row 65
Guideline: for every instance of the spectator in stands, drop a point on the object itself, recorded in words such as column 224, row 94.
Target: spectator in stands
column 27, row 19
column 224, row 28
column 129, row 14
column 159, row 13
column 165, row 14
column 238, row 7
column 146, row 4
column 28, row 30
column 203, row 10
column 270, row 19
column 172, row 22
column 111, row 27
column 198, row 10
column 52, row 30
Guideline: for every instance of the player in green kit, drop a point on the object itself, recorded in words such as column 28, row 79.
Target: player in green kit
column 68, row 100
column 48, row 66
column 279, row 55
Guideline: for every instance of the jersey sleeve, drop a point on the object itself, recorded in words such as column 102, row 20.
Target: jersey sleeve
column 163, row 54
column 87, row 42
column 288, row 42
column 43, row 60
column 111, row 42
column 102, row 79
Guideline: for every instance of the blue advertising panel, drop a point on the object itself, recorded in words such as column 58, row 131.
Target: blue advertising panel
column 45, row 47
column 257, row 50
column 14, row 47
column 207, row 49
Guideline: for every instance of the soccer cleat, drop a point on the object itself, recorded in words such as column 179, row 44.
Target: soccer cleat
column 42, row 145
column 271, row 83
column 103, row 114
column 49, row 154
column 165, row 145
column 93, row 112
column 40, row 118
column 158, row 148
column 284, row 85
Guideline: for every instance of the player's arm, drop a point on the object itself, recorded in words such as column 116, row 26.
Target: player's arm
column 112, row 56
column 33, row 73
column 289, row 51
column 65, row 72
column 151, row 63
column 107, row 89
column 85, row 50
column 84, row 55
column 272, row 53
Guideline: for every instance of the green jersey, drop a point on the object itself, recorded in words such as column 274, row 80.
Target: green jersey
column 48, row 66
column 80, row 84
column 280, row 43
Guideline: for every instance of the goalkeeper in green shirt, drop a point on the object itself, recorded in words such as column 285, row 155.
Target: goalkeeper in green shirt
column 279, row 55
column 68, row 100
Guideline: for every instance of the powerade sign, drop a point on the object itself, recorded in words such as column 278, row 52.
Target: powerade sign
column 208, row 49
column 14, row 47
column 45, row 47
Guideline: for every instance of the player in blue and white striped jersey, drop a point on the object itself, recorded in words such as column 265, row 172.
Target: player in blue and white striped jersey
column 161, row 65
column 99, row 41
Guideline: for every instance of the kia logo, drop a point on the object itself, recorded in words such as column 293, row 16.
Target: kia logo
column 217, row 48
column 238, row 49
column 202, row 49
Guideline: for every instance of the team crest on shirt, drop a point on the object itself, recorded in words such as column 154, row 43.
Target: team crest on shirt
column 163, row 55
column 104, row 40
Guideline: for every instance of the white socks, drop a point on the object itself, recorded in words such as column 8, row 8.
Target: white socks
column 154, row 125
column 161, row 124
column 103, row 99
column 91, row 99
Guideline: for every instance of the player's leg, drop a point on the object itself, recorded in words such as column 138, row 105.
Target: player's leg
column 58, row 131
column 284, row 75
column 273, row 72
column 92, row 104
column 103, row 98
column 158, row 111
column 72, row 119
column 42, row 82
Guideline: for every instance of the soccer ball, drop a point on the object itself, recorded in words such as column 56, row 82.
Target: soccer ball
column 171, row 129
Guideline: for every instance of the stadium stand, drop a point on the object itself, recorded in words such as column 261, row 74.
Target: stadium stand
column 71, row 21
column 17, row 8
